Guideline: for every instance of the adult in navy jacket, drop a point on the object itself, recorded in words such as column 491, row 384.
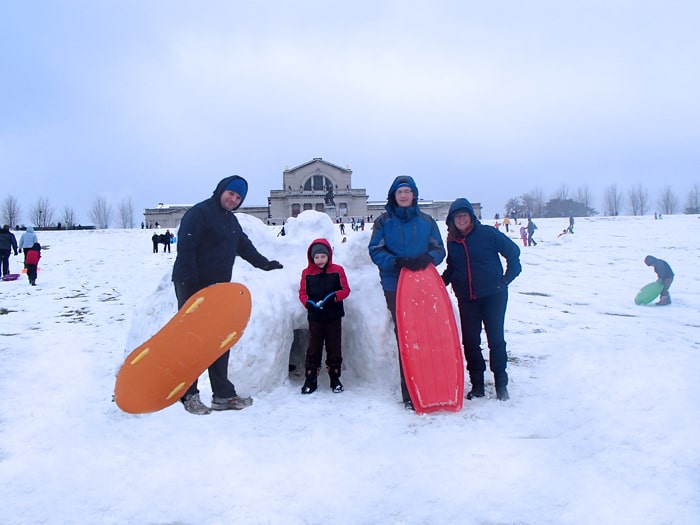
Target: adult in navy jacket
column 403, row 237
column 475, row 271
column 208, row 241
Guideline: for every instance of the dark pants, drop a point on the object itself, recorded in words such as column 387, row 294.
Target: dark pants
column 329, row 332
column 218, row 371
column 391, row 305
column 667, row 284
column 155, row 246
column 31, row 272
column 489, row 311
column 5, row 258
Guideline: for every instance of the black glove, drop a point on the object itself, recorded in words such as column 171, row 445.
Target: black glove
column 400, row 262
column 418, row 263
column 272, row 265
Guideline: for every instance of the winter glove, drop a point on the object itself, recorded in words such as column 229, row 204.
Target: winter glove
column 272, row 265
column 418, row 263
column 400, row 262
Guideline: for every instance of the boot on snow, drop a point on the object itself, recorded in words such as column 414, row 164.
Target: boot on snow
column 311, row 382
column 501, row 380
column 664, row 300
column 477, row 381
column 336, row 385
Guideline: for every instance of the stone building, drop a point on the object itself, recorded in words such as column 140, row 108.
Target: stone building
column 315, row 185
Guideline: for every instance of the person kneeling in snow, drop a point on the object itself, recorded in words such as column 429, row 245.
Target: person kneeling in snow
column 208, row 241
column 665, row 275
column 322, row 289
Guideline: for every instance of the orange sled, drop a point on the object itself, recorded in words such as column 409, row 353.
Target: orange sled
column 157, row 373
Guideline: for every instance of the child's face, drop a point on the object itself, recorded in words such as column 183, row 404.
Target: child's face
column 320, row 260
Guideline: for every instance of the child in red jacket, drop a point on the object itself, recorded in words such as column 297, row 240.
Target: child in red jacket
column 322, row 289
column 32, row 256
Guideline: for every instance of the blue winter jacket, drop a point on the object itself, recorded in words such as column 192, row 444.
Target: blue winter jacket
column 473, row 262
column 403, row 232
column 208, row 241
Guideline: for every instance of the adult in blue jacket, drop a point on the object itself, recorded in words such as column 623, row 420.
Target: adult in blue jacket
column 403, row 237
column 475, row 271
column 208, row 241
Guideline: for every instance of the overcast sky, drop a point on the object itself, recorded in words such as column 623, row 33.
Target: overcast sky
column 157, row 101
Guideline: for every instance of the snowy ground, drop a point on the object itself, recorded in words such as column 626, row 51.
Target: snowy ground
column 602, row 425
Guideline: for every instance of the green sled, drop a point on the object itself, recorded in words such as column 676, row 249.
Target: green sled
column 648, row 293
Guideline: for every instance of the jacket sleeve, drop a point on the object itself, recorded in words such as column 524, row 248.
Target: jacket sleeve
column 303, row 297
column 345, row 288
column 191, row 230
column 511, row 252
column 436, row 248
column 377, row 248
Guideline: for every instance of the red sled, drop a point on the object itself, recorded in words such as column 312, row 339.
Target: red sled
column 429, row 346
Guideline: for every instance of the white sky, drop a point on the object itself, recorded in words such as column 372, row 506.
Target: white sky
column 157, row 101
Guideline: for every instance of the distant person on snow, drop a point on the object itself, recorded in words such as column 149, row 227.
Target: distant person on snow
column 208, row 242
column 8, row 244
column 665, row 276
column 475, row 272
column 156, row 241
column 26, row 241
column 403, row 237
column 322, row 289
column 523, row 235
column 167, row 237
column 31, row 262
column 531, row 227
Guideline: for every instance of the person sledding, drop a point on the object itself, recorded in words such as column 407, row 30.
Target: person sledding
column 665, row 276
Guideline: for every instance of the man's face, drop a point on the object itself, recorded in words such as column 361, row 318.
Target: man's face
column 230, row 200
column 404, row 197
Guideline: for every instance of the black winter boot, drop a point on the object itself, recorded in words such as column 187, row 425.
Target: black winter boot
column 311, row 382
column 501, row 380
column 336, row 385
column 477, row 381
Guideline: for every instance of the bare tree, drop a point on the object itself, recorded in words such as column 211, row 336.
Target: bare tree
column 668, row 203
column 11, row 211
column 562, row 193
column 584, row 196
column 637, row 200
column 692, row 202
column 42, row 214
column 534, row 202
column 70, row 219
column 101, row 213
column 612, row 201
column 126, row 213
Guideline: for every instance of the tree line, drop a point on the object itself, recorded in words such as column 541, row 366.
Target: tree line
column 635, row 201
column 42, row 214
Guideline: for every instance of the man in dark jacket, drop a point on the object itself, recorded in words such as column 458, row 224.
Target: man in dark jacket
column 665, row 275
column 475, row 271
column 208, row 241
column 403, row 237
column 8, row 243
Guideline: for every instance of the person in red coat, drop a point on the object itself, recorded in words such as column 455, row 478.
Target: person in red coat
column 322, row 289
column 32, row 256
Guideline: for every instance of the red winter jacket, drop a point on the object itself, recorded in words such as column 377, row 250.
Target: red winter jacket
column 317, row 283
